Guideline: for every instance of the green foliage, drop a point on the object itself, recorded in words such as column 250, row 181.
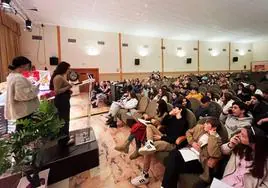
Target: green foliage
column 5, row 162
column 25, row 144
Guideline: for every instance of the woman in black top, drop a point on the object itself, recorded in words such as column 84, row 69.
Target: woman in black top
column 175, row 127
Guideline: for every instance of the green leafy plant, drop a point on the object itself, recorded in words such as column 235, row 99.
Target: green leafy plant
column 5, row 162
column 26, row 144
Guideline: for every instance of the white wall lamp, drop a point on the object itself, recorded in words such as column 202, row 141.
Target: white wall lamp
column 180, row 52
column 242, row 52
column 214, row 53
column 143, row 51
column 93, row 51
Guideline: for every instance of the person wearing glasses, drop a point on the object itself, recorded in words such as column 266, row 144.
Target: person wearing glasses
column 22, row 96
column 247, row 166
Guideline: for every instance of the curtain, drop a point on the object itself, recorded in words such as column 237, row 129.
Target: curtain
column 9, row 43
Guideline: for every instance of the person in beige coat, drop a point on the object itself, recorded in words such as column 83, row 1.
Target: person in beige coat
column 247, row 166
column 22, row 95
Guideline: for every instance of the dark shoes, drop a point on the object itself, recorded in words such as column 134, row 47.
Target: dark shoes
column 109, row 121
column 113, row 124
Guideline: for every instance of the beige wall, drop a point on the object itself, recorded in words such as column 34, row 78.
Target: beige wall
column 148, row 63
column 39, row 51
column 260, row 51
column 175, row 63
column 77, row 54
column 244, row 56
column 214, row 63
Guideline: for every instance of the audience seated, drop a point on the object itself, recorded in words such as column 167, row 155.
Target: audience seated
column 160, row 138
column 128, row 103
column 203, row 110
column 138, row 130
column 254, row 90
column 237, row 118
column 162, row 94
column 226, row 102
column 194, row 94
column 247, row 166
column 206, row 142
column 175, row 128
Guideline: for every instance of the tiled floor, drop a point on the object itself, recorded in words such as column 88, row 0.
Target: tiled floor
column 115, row 170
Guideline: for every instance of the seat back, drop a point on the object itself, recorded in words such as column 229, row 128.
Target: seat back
column 143, row 103
column 215, row 109
column 169, row 107
column 191, row 119
column 195, row 104
column 151, row 108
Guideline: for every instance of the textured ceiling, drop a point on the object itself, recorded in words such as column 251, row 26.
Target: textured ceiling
column 211, row 20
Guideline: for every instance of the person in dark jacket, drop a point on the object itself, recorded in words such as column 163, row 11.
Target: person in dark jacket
column 175, row 129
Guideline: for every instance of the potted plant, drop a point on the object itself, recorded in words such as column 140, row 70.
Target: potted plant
column 27, row 145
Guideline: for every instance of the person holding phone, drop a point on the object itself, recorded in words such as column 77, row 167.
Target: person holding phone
column 62, row 89
column 247, row 166
column 22, row 96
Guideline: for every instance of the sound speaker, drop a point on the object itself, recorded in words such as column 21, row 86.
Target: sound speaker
column 54, row 60
column 137, row 61
column 235, row 59
column 189, row 60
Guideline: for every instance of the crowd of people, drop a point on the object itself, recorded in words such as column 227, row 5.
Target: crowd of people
column 235, row 105
column 218, row 101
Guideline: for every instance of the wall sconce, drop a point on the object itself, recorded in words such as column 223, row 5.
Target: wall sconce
column 242, row 52
column 214, row 53
column 93, row 51
column 180, row 52
column 142, row 51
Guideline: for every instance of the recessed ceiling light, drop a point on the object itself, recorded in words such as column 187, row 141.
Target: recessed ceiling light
column 145, row 5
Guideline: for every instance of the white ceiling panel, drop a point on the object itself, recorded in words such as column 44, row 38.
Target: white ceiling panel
column 212, row 20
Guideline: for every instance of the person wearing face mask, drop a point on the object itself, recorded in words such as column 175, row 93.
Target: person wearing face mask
column 247, row 166
column 22, row 96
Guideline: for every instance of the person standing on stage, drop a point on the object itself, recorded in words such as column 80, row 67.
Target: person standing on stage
column 62, row 89
column 22, row 95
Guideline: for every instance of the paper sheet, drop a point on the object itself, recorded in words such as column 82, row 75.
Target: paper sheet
column 219, row 184
column 188, row 154
column 144, row 121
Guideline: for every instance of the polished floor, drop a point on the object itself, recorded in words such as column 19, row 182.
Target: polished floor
column 116, row 169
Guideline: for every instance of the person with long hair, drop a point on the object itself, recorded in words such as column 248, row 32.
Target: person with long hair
column 62, row 89
column 175, row 128
column 254, row 90
column 247, row 166
column 138, row 130
column 226, row 102
column 22, row 95
column 205, row 142
column 162, row 94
